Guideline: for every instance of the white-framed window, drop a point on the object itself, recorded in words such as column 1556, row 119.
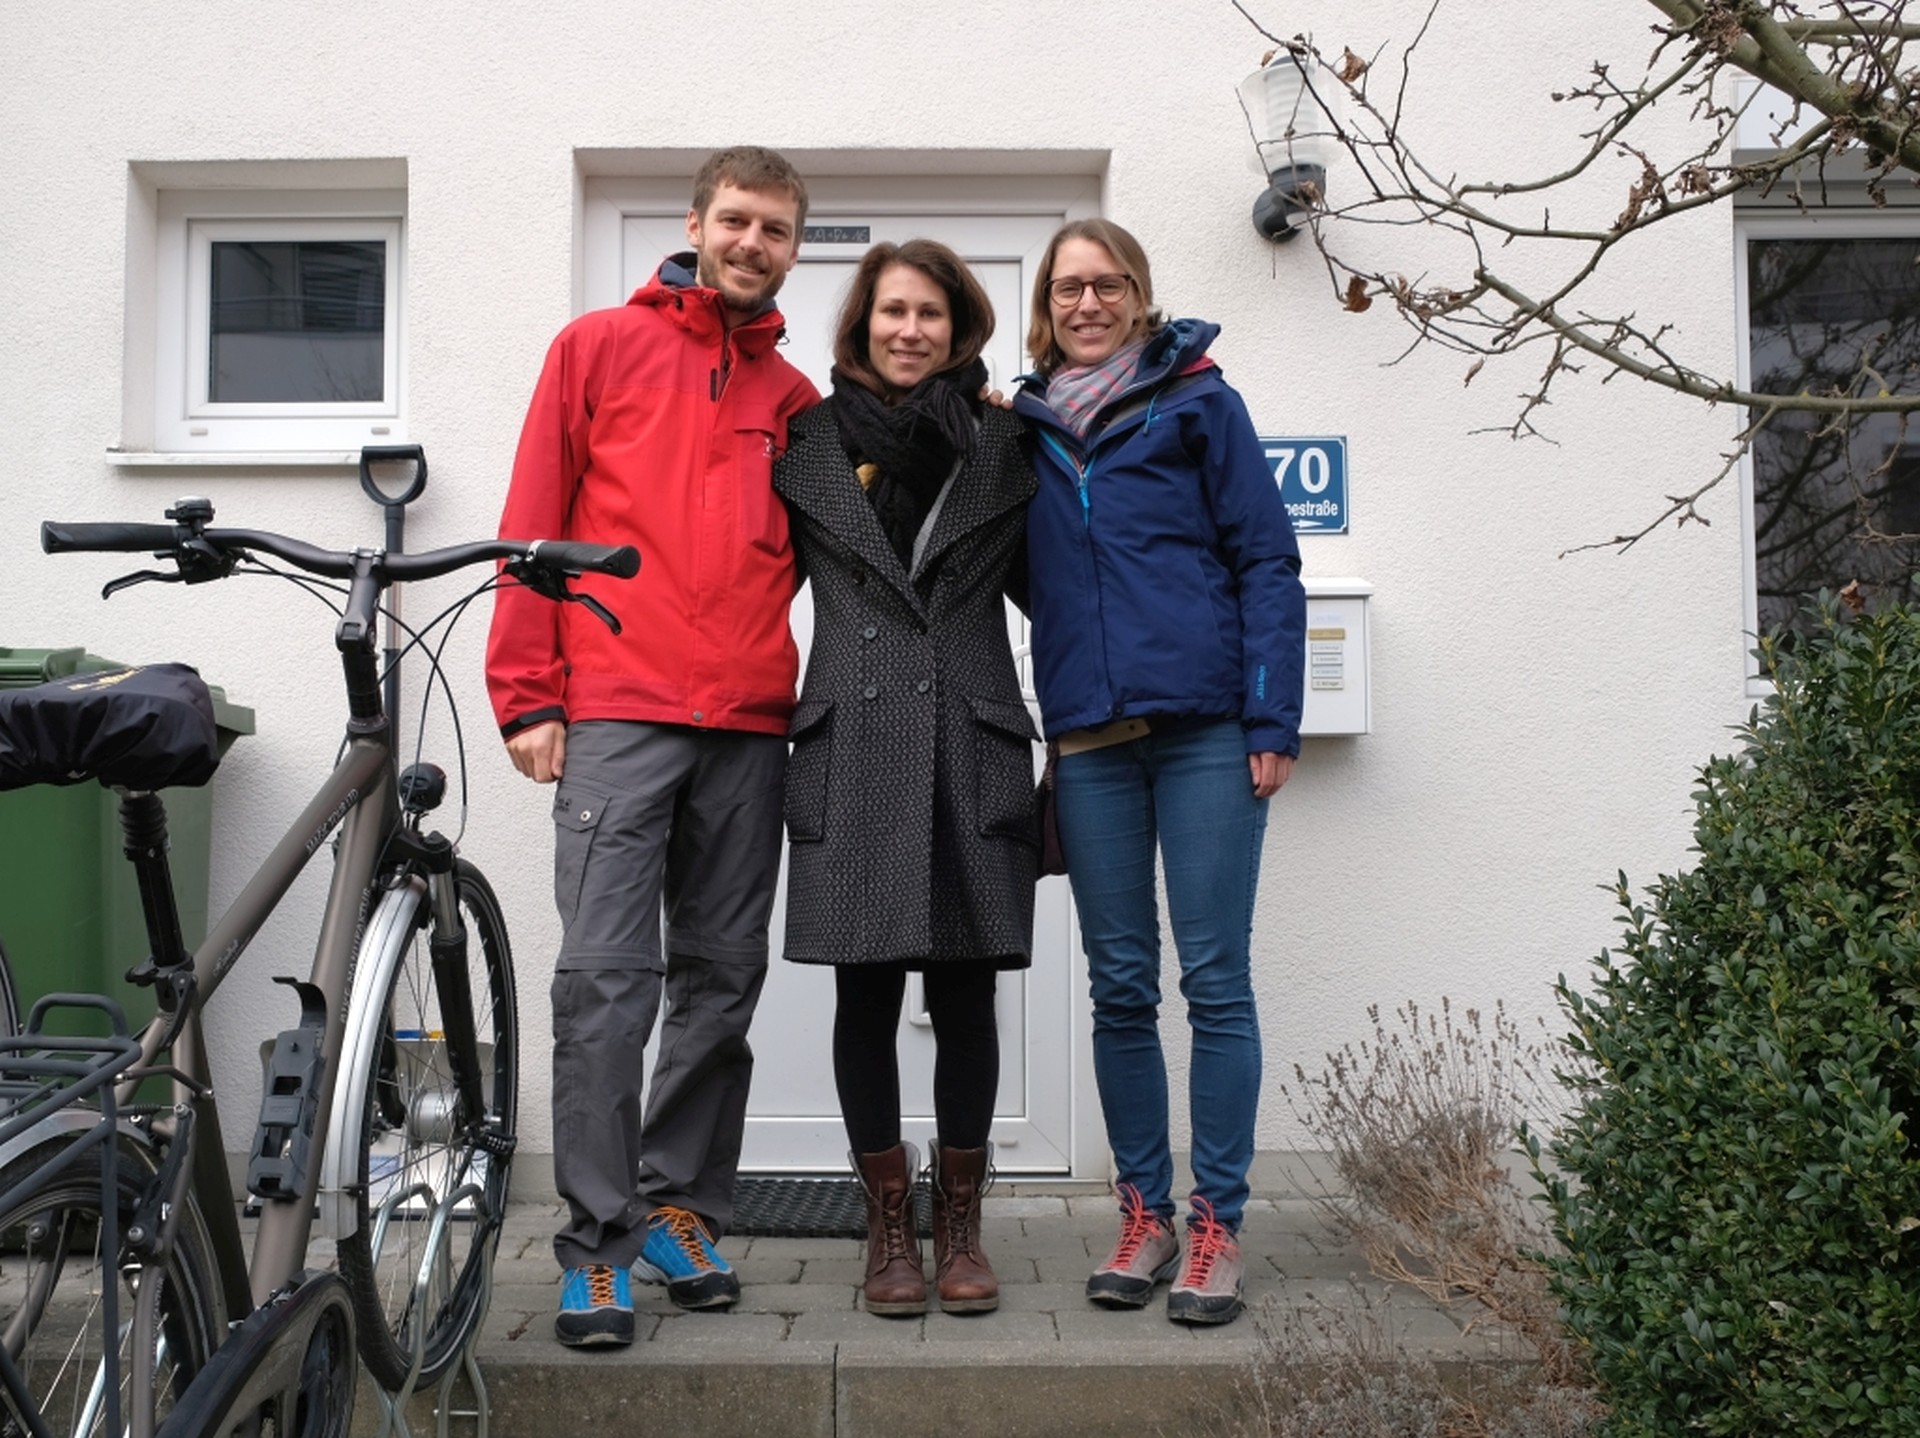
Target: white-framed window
column 1829, row 300
column 279, row 320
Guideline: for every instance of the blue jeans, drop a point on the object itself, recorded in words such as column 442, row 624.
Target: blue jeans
column 1190, row 790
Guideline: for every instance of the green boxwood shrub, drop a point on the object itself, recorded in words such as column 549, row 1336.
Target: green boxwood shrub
column 1738, row 1188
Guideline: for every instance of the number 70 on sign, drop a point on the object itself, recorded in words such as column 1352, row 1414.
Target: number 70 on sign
column 1311, row 471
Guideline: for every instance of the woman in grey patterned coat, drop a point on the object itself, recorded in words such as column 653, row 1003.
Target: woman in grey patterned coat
column 909, row 791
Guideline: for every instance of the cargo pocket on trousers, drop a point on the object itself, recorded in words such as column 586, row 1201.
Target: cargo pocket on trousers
column 577, row 810
column 808, row 769
column 1003, row 738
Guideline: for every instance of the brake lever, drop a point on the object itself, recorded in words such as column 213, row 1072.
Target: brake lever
column 552, row 584
column 598, row 610
column 139, row 576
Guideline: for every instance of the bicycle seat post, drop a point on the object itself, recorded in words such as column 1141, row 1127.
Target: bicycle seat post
column 143, row 828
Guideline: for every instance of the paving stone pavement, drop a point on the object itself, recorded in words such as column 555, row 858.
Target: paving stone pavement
column 798, row 1356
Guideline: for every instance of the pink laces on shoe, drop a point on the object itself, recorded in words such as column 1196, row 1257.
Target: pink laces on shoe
column 1207, row 1240
column 1138, row 1224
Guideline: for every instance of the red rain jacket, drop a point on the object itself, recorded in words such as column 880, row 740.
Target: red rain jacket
column 655, row 425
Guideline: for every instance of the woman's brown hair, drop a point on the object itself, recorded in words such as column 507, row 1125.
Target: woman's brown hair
column 967, row 301
column 1126, row 253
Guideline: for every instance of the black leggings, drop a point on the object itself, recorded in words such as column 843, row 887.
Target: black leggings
column 866, row 1059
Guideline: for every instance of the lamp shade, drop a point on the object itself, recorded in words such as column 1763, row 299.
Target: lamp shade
column 1290, row 126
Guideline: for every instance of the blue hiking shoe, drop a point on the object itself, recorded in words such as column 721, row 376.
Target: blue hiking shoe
column 680, row 1253
column 596, row 1308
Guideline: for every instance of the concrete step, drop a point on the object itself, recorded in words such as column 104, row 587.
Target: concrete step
column 797, row 1356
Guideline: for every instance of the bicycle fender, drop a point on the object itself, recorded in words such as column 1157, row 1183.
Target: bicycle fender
column 385, row 939
column 64, row 1124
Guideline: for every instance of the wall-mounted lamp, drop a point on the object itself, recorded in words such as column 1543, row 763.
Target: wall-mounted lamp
column 1293, row 139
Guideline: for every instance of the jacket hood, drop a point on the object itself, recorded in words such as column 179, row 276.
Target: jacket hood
column 676, row 284
column 1176, row 348
column 679, row 272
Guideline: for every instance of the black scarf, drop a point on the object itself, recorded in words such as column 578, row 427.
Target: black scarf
column 911, row 444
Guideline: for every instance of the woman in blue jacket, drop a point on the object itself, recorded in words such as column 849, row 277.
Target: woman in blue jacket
column 1168, row 641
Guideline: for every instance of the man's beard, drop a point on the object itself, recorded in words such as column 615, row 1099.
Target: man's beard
column 707, row 272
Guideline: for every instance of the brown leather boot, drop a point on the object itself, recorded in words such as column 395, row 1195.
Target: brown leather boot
column 961, row 1177
column 896, row 1284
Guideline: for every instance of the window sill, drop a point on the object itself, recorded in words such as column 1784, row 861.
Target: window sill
column 261, row 459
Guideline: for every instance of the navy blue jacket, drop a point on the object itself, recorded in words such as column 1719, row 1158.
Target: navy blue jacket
column 1163, row 573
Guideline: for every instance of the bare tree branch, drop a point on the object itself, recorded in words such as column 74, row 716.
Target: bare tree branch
column 1843, row 101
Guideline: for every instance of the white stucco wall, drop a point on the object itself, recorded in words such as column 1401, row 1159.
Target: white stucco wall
column 1537, row 718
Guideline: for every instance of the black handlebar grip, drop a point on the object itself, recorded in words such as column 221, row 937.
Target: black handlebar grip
column 622, row 562
column 59, row 538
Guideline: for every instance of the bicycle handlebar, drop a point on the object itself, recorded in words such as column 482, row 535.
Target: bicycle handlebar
column 555, row 555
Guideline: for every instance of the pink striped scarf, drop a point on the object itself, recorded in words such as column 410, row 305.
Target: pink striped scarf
column 1076, row 392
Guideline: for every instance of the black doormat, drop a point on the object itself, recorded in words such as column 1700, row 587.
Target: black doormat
column 811, row 1208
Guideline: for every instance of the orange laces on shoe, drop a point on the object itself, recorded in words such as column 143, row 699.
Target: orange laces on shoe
column 600, row 1285
column 686, row 1230
column 1138, row 1223
column 1207, row 1240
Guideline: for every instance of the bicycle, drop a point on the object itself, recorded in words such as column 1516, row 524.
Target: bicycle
column 391, row 1101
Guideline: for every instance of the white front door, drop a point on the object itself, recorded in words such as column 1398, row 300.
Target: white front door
column 793, row 1120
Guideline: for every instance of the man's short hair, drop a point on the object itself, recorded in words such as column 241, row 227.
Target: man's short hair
column 749, row 167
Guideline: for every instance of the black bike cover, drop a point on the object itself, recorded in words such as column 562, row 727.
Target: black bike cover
column 145, row 728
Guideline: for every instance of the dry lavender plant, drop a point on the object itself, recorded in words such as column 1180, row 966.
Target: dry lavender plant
column 1335, row 1371
column 1421, row 1123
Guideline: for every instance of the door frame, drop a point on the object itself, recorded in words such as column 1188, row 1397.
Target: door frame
column 608, row 201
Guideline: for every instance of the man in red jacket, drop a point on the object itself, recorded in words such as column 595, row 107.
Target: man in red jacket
column 656, row 424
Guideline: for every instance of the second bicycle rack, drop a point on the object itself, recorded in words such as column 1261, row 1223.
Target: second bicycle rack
column 394, row 1405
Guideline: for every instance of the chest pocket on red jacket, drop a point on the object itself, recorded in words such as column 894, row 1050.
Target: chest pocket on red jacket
column 760, row 436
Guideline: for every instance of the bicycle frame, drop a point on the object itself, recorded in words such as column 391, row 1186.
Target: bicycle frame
column 357, row 808
column 358, row 799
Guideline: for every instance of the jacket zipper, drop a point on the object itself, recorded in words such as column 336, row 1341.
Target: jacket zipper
column 1081, row 475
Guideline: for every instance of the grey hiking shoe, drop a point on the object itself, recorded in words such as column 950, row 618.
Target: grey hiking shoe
column 1146, row 1253
column 1208, row 1288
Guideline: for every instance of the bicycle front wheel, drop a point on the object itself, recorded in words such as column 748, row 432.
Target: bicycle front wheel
column 415, row 1142
column 53, row 1275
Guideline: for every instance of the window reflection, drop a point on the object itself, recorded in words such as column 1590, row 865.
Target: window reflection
column 297, row 321
column 1834, row 500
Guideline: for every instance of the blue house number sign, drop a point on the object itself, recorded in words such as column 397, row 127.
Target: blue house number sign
column 1312, row 474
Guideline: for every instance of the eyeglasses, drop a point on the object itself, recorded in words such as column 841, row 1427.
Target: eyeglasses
column 1107, row 288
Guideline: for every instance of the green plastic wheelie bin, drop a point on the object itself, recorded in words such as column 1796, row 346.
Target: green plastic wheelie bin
column 69, row 906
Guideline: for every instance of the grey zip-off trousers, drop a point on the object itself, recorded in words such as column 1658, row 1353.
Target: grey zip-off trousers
column 653, row 818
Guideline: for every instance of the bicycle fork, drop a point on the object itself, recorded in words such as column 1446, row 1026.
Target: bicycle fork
column 421, row 788
column 447, row 947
